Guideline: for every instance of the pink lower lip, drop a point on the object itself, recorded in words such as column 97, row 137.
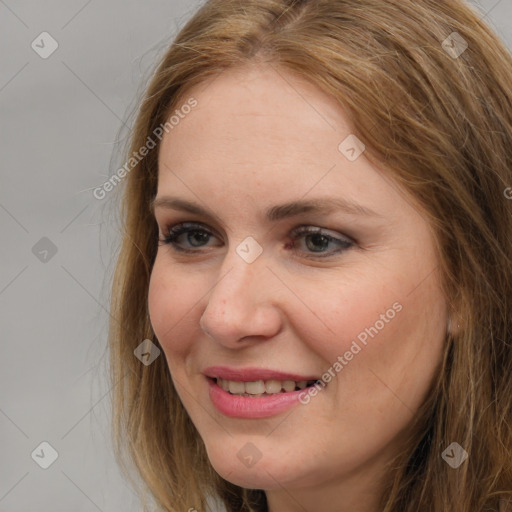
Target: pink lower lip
column 237, row 406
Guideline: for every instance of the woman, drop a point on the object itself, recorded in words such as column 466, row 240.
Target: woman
column 311, row 305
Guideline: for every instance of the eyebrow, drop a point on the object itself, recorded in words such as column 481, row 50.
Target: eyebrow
column 274, row 213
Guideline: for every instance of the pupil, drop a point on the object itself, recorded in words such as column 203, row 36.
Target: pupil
column 197, row 235
column 317, row 237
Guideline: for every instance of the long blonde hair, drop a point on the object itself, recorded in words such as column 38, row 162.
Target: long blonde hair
column 437, row 116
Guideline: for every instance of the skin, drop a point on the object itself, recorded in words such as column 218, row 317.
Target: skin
column 262, row 136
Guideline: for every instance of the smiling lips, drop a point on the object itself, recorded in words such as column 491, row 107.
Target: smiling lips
column 254, row 392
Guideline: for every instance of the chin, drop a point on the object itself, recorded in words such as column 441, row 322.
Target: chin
column 264, row 474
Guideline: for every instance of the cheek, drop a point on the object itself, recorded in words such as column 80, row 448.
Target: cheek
column 158, row 299
column 171, row 300
column 341, row 310
column 374, row 323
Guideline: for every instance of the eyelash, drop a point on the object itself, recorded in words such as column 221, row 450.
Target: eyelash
column 173, row 232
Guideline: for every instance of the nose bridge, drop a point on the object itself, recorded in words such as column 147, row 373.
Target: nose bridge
column 243, row 267
column 240, row 303
column 237, row 283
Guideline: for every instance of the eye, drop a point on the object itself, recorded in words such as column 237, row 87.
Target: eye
column 315, row 240
column 195, row 233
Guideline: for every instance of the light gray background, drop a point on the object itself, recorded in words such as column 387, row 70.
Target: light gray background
column 60, row 121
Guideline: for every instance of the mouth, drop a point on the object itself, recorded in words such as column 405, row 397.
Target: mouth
column 261, row 388
column 255, row 399
column 253, row 393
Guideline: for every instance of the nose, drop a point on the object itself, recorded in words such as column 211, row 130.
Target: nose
column 242, row 306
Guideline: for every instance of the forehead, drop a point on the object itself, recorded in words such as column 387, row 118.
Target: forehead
column 256, row 117
column 260, row 134
column 265, row 89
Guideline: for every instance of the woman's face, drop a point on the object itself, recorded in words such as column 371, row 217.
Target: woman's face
column 355, row 304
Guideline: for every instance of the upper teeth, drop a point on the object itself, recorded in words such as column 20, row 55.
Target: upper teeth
column 259, row 387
